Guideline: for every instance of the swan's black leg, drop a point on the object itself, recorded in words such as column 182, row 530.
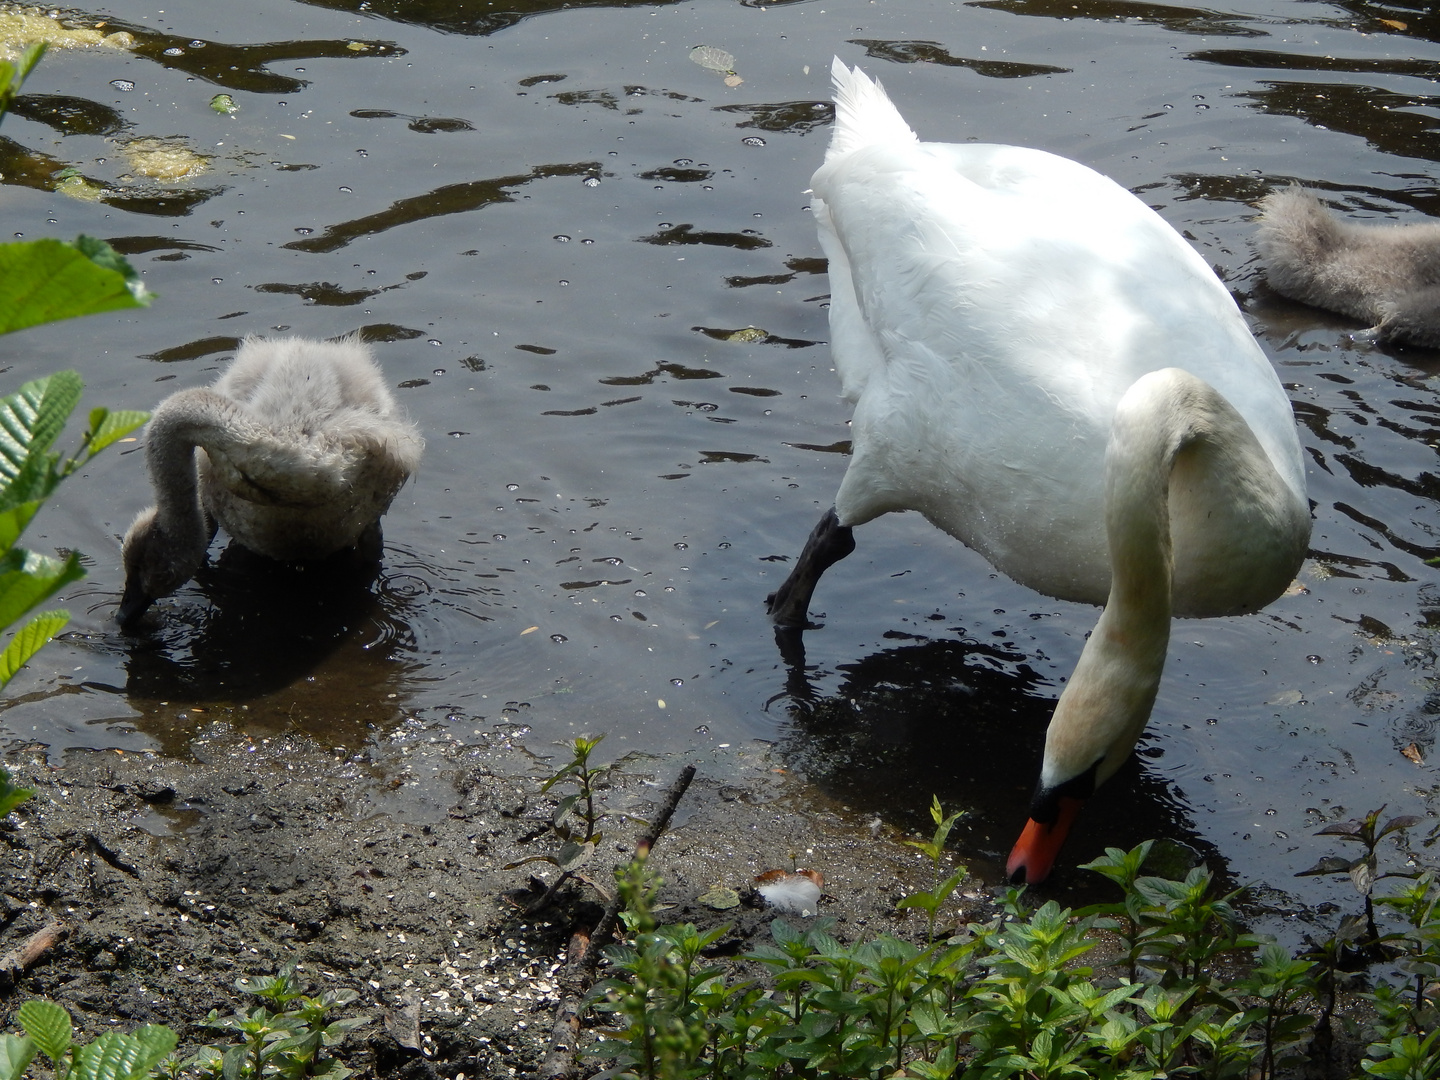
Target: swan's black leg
column 829, row 542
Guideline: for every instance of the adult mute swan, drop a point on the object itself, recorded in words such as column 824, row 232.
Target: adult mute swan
column 296, row 451
column 1385, row 275
column 1048, row 372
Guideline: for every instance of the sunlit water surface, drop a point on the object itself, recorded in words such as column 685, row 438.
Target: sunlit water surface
column 552, row 222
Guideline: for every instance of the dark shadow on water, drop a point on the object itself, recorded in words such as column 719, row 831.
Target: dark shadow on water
column 963, row 721
column 251, row 651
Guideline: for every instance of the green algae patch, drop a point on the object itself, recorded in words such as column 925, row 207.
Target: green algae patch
column 22, row 26
column 164, row 159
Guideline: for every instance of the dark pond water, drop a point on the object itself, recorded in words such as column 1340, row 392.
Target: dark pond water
column 552, row 222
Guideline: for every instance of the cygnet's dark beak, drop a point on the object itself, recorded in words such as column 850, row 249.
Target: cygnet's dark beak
column 133, row 605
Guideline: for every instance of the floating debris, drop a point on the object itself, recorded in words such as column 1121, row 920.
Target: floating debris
column 1413, row 753
column 747, row 336
column 164, row 159
column 713, row 59
column 22, row 26
column 224, row 103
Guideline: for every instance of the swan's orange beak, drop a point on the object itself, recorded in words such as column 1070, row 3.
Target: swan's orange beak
column 1034, row 853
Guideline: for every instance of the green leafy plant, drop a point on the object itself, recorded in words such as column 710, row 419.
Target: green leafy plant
column 941, row 890
column 1016, row 996
column 286, row 1035
column 31, row 419
column 42, row 281
column 576, row 820
column 1363, row 871
column 113, row 1056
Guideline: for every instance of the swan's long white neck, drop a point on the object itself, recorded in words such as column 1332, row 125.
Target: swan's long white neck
column 1178, row 450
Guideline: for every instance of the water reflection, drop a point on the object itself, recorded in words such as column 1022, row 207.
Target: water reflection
column 964, row 721
column 252, row 626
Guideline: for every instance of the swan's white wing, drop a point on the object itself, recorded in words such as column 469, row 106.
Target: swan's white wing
column 1008, row 298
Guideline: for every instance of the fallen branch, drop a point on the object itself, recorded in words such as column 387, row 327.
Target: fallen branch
column 14, row 963
column 582, row 958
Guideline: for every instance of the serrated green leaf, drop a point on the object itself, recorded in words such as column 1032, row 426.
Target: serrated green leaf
column 48, row 1024
column 16, row 1053
column 27, row 641
column 31, row 419
column 117, row 1056
column 48, row 280
column 28, row 578
column 112, row 427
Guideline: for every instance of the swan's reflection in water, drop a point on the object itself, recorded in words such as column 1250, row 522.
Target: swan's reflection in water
column 963, row 721
column 324, row 648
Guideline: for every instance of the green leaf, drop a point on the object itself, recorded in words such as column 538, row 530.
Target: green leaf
column 28, row 578
column 117, row 1056
column 108, row 427
column 13, row 75
column 31, row 419
column 16, row 1054
column 47, row 280
column 28, row 640
column 224, row 103
column 11, row 797
column 48, row 1024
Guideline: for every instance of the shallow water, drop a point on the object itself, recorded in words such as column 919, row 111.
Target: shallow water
column 552, row 222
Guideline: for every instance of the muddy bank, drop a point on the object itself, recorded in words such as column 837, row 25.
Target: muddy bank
column 175, row 878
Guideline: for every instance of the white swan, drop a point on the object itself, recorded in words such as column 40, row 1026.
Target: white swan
column 1386, row 275
column 296, row 451
column 1048, row 372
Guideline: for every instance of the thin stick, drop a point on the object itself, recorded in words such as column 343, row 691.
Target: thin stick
column 582, row 958
column 14, row 963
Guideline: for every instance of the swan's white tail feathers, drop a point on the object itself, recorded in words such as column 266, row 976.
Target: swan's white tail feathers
column 864, row 113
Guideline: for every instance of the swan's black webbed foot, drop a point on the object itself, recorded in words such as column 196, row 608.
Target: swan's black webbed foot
column 829, row 542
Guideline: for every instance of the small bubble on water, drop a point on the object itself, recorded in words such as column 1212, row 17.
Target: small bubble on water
column 197, row 44
column 682, row 546
column 563, row 283
column 498, row 536
column 591, row 181
column 677, row 682
column 363, row 153
column 702, row 730
column 18, row 235
column 438, row 371
column 1211, row 721
column 122, row 84
column 559, row 639
column 303, row 231
column 562, row 238
column 615, row 618
column 683, row 162
column 723, row 545
column 434, row 341
column 173, row 51
column 753, row 140
column 669, row 588
column 347, row 190
column 587, row 242
column 1315, row 659
column 639, row 592
column 512, row 487
column 456, row 434
column 216, row 280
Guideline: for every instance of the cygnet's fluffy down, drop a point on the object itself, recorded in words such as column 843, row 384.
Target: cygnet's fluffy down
column 296, row 452
column 1388, row 276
